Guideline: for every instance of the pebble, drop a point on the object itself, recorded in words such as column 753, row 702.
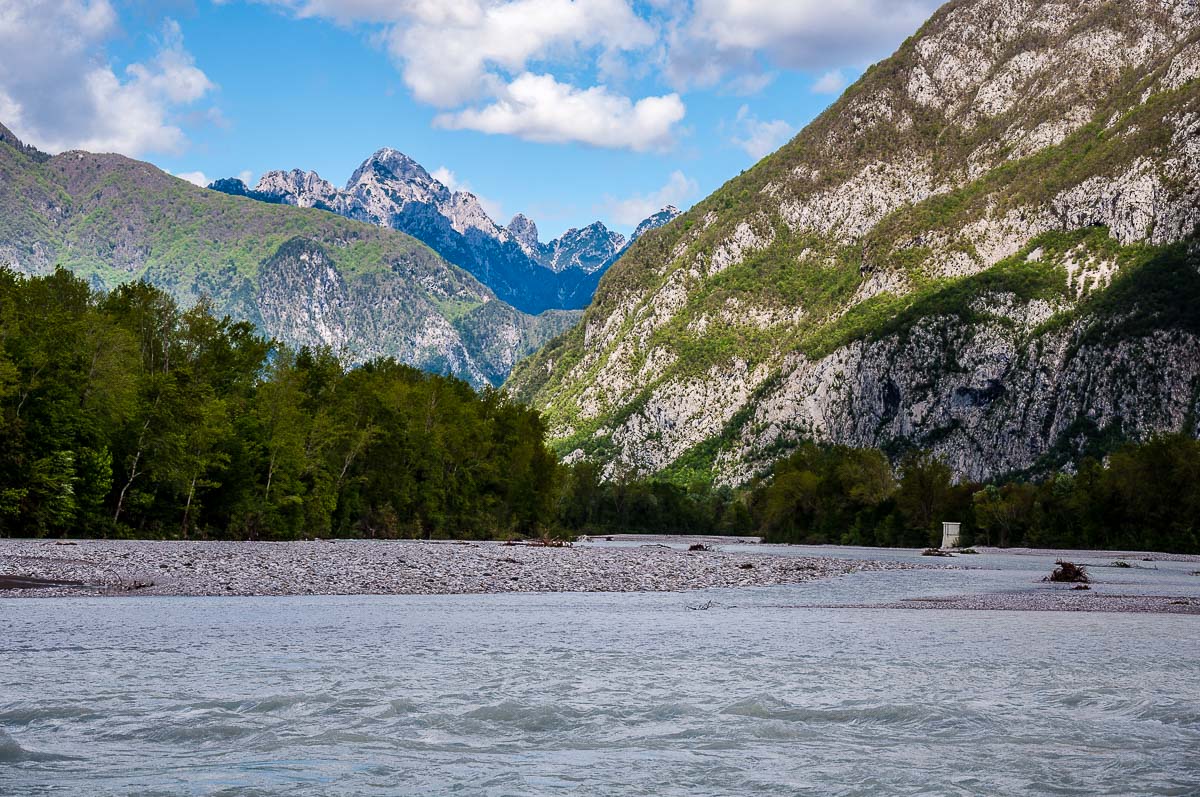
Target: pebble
column 374, row 567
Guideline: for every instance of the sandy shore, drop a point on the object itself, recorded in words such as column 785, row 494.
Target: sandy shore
column 362, row 567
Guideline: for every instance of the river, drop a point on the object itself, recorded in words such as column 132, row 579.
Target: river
column 712, row 693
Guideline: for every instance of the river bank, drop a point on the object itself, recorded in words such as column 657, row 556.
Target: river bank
column 995, row 579
column 372, row 567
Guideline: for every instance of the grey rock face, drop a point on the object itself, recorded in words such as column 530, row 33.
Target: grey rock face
column 865, row 284
column 525, row 233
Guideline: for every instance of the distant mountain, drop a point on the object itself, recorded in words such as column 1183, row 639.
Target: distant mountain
column 392, row 190
column 987, row 247
column 662, row 217
column 302, row 276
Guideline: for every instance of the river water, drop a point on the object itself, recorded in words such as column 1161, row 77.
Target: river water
column 734, row 692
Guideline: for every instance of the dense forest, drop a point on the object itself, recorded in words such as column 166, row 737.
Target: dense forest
column 122, row 414
column 1143, row 497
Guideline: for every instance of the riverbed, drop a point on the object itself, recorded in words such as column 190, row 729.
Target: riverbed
column 794, row 689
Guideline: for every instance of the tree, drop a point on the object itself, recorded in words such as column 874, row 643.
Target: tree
column 924, row 491
column 1007, row 510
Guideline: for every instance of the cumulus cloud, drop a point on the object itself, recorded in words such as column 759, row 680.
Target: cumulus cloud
column 832, row 82
column 60, row 93
column 757, row 137
column 475, row 56
column 679, row 190
column 458, row 56
column 539, row 108
column 723, row 37
column 446, row 177
column 195, row 178
column 451, row 52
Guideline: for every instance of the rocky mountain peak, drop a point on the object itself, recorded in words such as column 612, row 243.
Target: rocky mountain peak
column 390, row 189
column 664, row 216
column 589, row 248
column 392, row 166
column 234, row 186
column 298, row 187
column 524, row 232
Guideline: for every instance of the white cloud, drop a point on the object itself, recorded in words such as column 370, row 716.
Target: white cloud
column 460, row 56
column 475, row 56
column 478, row 59
column 60, row 93
column 759, row 138
column 246, row 176
column 724, row 37
column 832, row 82
column 451, row 52
column 446, row 178
column 195, row 178
column 679, row 190
column 539, row 108
column 750, row 83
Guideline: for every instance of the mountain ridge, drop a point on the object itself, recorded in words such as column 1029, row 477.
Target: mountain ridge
column 390, row 189
column 366, row 291
column 933, row 262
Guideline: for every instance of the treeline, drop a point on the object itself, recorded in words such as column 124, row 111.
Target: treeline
column 1145, row 497
column 588, row 504
column 123, row 414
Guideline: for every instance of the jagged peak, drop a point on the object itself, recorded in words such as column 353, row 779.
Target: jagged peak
column 229, row 185
column 664, row 216
column 395, row 162
column 524, row 231
column 290, row 174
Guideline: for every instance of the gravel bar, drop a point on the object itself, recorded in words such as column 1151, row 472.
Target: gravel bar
column 1046, row 600
column 370, row 567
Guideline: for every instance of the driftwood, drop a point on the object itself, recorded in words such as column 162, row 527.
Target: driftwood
column 1069, row 573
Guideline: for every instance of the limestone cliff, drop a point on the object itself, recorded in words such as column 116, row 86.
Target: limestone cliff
column 985, row 247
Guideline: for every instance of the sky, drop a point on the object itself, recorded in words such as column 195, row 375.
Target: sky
column 566, row 110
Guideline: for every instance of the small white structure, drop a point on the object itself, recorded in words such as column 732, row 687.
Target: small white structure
column 950, row 534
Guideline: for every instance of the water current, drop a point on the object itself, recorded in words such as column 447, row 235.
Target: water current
column 735, row 692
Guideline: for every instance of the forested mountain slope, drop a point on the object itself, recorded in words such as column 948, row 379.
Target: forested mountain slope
column 986, row 247
column 300, row 275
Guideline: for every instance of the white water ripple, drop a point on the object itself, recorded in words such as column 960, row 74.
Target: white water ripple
column 591, row 695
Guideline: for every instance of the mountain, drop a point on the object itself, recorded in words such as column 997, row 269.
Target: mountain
column 986, row 247
column 588, row 249
column 302, row 276
column 392, row 190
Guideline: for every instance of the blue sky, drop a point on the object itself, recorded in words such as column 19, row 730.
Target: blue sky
column 566, row 110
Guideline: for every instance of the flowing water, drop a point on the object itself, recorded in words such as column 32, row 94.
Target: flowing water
column 716, row 693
